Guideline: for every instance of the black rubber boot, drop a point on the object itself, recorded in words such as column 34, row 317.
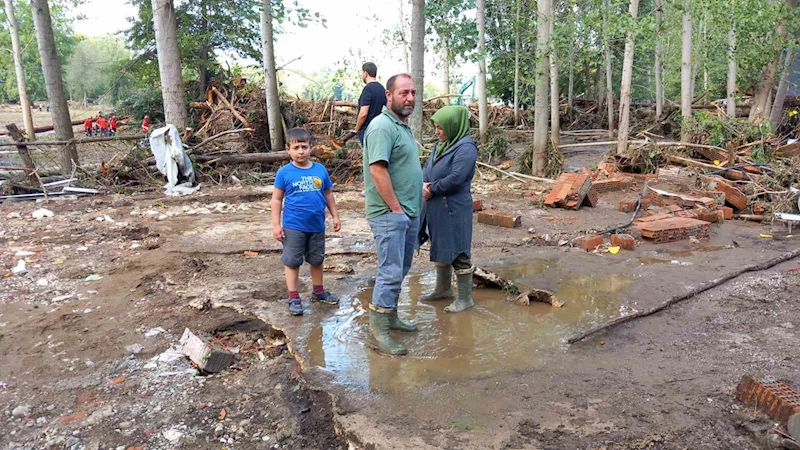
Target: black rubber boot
column 380, row 320
column 464, row 300
column 444, row 284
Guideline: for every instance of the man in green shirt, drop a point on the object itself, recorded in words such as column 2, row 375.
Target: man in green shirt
column 393, row 192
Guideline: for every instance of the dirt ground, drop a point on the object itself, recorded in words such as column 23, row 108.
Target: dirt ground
column 89, row 334
column 13, row 114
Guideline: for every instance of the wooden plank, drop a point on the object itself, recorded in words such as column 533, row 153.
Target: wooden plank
column 789, row 151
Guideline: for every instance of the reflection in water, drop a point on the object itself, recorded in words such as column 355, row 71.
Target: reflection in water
column 494, row 336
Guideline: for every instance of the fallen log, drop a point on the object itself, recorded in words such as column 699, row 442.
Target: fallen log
column 692, row 293
column 43, row 128
column 72, row 141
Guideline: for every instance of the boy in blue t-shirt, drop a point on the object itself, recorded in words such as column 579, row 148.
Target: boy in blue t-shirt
column 306, row 187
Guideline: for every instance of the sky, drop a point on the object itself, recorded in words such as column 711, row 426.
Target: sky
column 353, row 31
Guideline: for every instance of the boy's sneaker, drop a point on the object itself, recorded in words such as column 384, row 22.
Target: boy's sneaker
column 325, row 297
column 296, row 306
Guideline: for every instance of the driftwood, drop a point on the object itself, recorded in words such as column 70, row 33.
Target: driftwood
column 692, row 293
column 537, row 296
column 72, row 141
column 233, row 110
column 22, row 149
column 486, row 278
column 44, row 128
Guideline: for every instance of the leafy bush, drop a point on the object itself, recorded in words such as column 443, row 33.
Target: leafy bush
column 144, row 101
column 497, row 145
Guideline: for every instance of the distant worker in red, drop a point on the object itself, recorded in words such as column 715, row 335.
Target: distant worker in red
column 103, row 124
column 146, row 125
column 113, row 125
column 87, row 126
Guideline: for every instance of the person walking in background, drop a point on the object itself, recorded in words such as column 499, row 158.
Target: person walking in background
column 146, row 125
column 372, row 100
column 113, row 126
column 102, row 123
column 447, row 211
column 87, row 126
column 393, row 199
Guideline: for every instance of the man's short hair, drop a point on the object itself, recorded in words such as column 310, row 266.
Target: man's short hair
column 298, row 134
column 370, row 68
column 390, row 84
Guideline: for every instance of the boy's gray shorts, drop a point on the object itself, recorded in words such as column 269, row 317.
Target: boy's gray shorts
column 298, row 245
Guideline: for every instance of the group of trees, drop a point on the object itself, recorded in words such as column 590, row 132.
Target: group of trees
column 618, row 53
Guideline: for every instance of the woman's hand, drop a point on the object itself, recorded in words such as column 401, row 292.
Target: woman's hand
column 426, row 191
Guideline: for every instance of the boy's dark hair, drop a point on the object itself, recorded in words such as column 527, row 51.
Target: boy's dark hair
column 298, row 134
column 391, row 82
column 370, row 68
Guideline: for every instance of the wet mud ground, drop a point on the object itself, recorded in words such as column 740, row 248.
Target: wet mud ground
column 499, row 376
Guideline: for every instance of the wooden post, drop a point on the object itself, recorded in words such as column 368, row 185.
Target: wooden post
column 15, row 134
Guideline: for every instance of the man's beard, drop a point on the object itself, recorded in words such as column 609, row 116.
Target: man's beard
column 400, row 109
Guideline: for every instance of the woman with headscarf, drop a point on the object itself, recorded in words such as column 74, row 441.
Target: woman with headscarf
column 447, row 210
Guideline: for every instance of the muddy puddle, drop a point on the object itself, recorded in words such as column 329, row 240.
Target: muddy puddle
column 493, row 337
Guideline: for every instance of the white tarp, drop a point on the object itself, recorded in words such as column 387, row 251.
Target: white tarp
column 172, row 161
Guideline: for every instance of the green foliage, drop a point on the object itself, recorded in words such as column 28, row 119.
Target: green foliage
column 65, row 42
column 206, row 26
column 497, row 145
column 143, row 101
column 92, row 70
column 719, row 130
column 455, row 29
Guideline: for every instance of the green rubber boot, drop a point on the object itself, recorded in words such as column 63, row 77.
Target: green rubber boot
column 464, row 299
column 380, row 320
column 444, row 284
column 399, row 325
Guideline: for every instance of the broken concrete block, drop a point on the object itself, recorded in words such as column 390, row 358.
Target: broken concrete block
column 500, row 219
column 776, row 399
column 477, row 204
column 624, row 241
column 208, row 357
column 589, row 243
column 707, row 215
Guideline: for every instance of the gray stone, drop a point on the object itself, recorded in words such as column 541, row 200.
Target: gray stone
column 125, row 425
column 21, row 411
column 794, row 427
column 74, row 443
column 134, row 348
column 41, row 420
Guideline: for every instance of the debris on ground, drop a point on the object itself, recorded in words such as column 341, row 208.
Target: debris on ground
column 500, row 218
column 571, row 191
column 209, row 357
column 777, row 399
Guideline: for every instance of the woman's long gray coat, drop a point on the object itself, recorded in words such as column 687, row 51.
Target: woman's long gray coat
column 447, row 216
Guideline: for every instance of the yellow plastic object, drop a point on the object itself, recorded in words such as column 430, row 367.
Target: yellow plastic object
column 717, row 162
column 765, row 236
column 613, row 250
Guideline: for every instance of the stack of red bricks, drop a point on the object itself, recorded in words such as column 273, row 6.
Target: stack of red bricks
column 615, row 183
column 571, row 191
column 674, row 229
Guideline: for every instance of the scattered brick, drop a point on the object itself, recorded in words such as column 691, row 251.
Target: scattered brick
column 569, row 191
column 759, row 208
column 609, row 185
column 589, row 243
column 500, row 219
column 706, row 215
column 624, row 241
column 727, row 212
column 208, row 357
column 733, row 196
column 674, row 229
column 477, row 204
column 592, row 197
column 776, row 399
column 74, row 417
column 628, row 205
column 687, row 214
column 673, row 208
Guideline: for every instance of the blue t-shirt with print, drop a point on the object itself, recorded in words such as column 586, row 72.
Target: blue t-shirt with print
column 304, row 196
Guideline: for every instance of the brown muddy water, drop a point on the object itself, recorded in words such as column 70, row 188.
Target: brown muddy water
column 494, row 337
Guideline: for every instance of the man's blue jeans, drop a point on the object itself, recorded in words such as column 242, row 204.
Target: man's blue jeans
column 395, row 239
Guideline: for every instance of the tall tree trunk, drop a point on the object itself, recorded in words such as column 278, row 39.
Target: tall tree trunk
column 169, row 63
column 403, row 39
column 625, row 87
column 516, row 63
column 731, row 107
column 203, row 69
column 483, row 113
column 758, row 108
column 659, row 66
column 686, row 73
column 51, row 68
column 783, row 88
column 274, row 118
column 542, row 94
column 22, row 86
column 571, row 85
column 555, row 101
column 418, row 62
column 609, row 73
column 446, row 67
column 768, row 109
column 587, row 80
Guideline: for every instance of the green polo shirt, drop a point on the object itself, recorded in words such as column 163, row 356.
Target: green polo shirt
column 389, row 139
